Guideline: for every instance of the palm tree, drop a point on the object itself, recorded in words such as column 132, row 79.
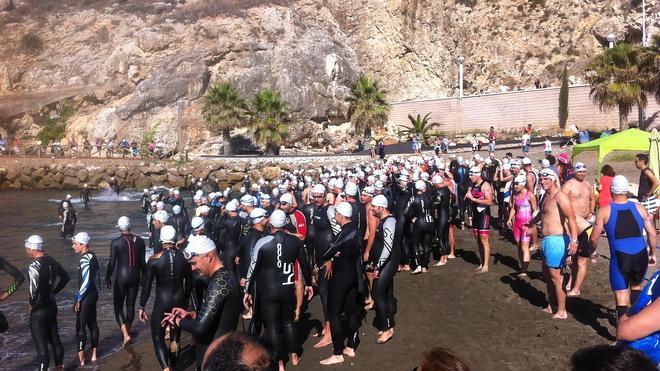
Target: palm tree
column 224, row 111
column 615, row 80
column 269, row 117
column 420, row 125
column 368, row 108
column 650, row 68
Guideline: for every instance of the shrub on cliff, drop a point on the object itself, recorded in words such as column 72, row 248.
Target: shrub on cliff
column 368, row 108
column 224, row 111
column 54, row 129
column 31, row 43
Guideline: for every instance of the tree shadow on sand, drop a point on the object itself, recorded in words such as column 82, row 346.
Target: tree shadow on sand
column 468, row 256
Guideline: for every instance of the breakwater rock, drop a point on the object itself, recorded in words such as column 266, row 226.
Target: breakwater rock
column 72, row 174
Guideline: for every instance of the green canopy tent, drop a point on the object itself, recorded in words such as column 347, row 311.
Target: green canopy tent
column 629, row 140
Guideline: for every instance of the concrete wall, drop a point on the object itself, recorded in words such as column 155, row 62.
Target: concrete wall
column 514, row 109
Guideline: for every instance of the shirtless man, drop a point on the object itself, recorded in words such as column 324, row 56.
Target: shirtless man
column 582, row 200
column 557, row 243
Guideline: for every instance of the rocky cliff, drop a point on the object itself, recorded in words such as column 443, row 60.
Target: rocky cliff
column 130, row 65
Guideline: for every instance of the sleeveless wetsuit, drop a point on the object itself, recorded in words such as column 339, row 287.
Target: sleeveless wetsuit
column 522, row 217
column 629, row 259
column 480, row 213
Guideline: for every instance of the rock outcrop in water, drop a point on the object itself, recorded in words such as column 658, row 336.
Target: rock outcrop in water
column 137, row 64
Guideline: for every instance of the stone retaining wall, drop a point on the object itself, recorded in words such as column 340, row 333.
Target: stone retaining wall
column 229, row 173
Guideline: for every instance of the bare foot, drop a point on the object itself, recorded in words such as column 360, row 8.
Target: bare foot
column 385, row 336
column 332, row 360
column 325, row 341
column 482, row 271
column 478, row 268
column 127, row 340
column 573, row 293
column 560, row 315
column 451, row 256
column 548, row 309
column 424, row 270
column 405, row 268
column 349, row 352
column 369, row 306
column 295, row 359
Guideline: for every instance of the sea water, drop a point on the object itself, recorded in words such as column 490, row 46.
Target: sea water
column 23, row 213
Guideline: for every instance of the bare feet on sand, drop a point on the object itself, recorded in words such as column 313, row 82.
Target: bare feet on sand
column 560, row 315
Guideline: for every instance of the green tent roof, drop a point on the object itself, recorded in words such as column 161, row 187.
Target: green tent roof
column 629, row 140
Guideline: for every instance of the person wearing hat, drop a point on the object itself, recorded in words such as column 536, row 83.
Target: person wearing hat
column 247, row 204
column 265, row 203
column 481, row 196
column 145, row 201
column 272, row 268
column 114, row 185
column 85, row 195
column 564, row 168
column 460, row 174
column 221, row 306
column 227, row 234
column 69, row 220
column 401, row 192
column 581, row 195
column 181, row 225
column 173, row 282
column 523, row 207
column 366, row 197
column 47, row 278
column 158, row 220
column 382, row 267
column 258, row 220
column 419, row 212
column 127, row 255
column 87, row 296
column 175, row 199
column 558, row 242
column 624, row 222
column 343, row 296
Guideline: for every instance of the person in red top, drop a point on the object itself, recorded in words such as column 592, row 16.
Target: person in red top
column 604, row 195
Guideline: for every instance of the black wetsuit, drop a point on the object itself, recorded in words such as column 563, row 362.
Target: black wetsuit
column 343, row 295
column 127, row 253
column 322, row 221
column 400, row 200
column 419, row 209
column 181, row 225
column 145, row 201
column 247, row 249
column 69, row 220
column 60, row 207
column 173, row 279
column 154, row 240
column 18, row 281
column 442, row 206
column 273, row 267
column 47, row 278
column 219, row 312
column 229, row 235
column 386, row 255
column 463, row 183
column 178, row 201
column 88, row 295
column 85, row 196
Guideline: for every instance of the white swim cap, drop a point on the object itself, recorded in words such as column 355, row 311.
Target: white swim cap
column 160, row 205
column 167, row 234
column 619, row 185
column 368, row 191
column 176, row 209
column 351, row 189
column 246, row 200
column 318, row 189
column 176, row 192
column 154, row 197
column 344, row 208
column 520, row 179
column 68, row 196
column 437, row 179
column 65, row 205
column 204, row 209
column 420, row 185
column 278, row 219
column 475, row 171
column 81, row 238
column 379, row 201
column 232, row 205
column 123, row 223
column 161, row 216
column 257, row 215
column 197, row 223
column 286, row 198
column 35, row 242
column 545, row 163
column 198, row 245
column 145, row 190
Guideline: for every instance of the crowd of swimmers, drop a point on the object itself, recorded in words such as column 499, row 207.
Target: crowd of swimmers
column 263, row 253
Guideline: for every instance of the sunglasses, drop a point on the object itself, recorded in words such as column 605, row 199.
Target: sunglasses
column 317, row 196
column 190, row 255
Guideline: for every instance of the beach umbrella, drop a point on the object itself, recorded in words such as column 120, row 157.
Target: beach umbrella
column 654, row 151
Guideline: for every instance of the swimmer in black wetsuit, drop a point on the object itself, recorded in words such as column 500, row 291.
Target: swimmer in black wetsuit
column 173, row 279
column 343, row 297
column 385, row 252
column 221, row 306
column 85, row 196
column 158, row 221
column 69, row 220
column 442, row 195
column 87, row 296
column 419, row 211
column 18, row 281
column 272, row 267
column 259, row 219
column 229, row 234
column 127, row 254
column 47, row 278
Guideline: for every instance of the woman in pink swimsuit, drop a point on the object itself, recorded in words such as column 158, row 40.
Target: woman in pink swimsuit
column 524, row 206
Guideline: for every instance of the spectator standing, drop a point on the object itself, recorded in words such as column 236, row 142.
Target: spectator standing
column 604, row 193
column 491, row 139
column 547, row 146
column 648, row 184
column 526, row 138
column 445, row 145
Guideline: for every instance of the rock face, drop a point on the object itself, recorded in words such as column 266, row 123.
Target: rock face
column 145, row 66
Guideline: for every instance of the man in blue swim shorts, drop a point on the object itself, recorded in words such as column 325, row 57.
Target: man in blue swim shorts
column 558, row 244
